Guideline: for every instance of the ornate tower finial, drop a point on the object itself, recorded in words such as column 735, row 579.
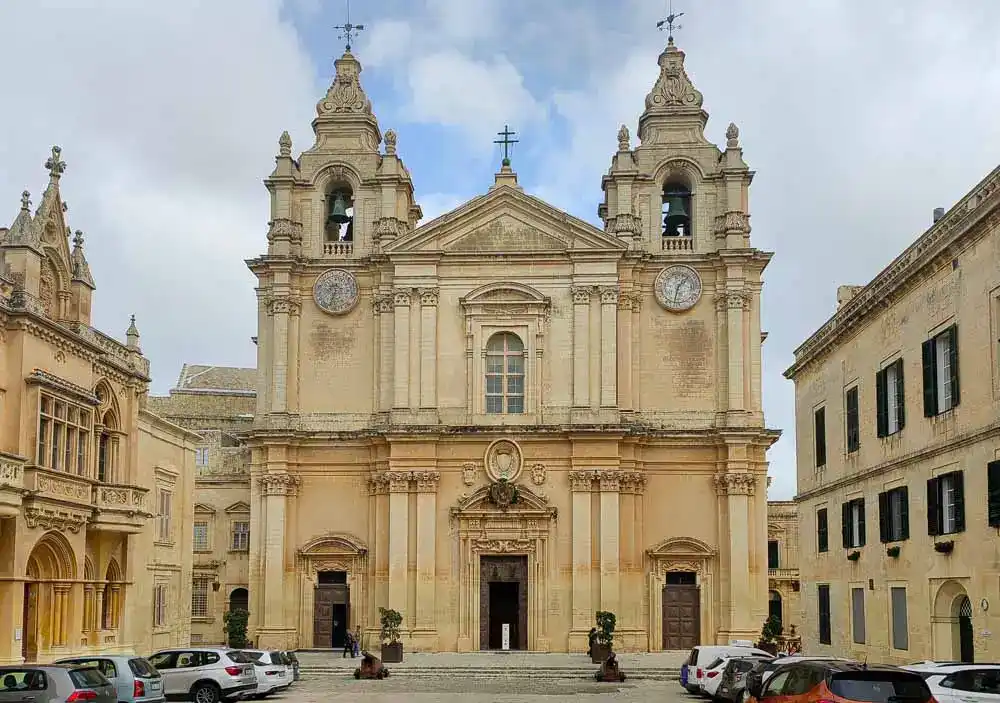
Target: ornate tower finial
column 55, row 166
column 26, row 201
column 623, row 139
column 390, row 142
column 669, row 23
column 732, row 136
column 506, row 143
column 285, row 144
column 348, row 30
column 78, row 239
column 132, row 335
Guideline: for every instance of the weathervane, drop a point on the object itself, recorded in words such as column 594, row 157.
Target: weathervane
column 348, row 30
column 505, row 143
column 669, row 22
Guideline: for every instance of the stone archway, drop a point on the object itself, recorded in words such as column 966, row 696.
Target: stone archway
column 681, row 573
column 484, row 530
column 49, row 573
column 952, row 625
column 333, row 553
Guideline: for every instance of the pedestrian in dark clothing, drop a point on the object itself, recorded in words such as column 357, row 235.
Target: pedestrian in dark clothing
column 591, row 639
column 348, row 644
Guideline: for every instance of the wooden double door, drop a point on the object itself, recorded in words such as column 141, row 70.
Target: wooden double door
column 681, row 616
column 331, row 615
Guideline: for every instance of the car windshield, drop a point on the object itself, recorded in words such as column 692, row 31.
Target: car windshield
column 252, row 656
column 87, row 678
column 143, row 669
column 875, row 686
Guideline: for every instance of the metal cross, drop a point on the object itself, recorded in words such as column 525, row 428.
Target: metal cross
column 506, row 143
column 54, row 164
column 348, row 30
column 672, row 17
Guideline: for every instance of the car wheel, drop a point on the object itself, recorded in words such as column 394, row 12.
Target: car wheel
column 206, row 693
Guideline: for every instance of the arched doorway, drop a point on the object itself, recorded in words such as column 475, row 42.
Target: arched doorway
column 966, row 646
column 47, row 606
column 774, row 605
column 239, row 599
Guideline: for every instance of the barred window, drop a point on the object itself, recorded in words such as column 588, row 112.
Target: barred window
column 201, row 536
column 241, row 536
column 199, row 598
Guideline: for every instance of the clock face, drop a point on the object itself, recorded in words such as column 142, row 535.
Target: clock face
column 336, row 291
column 678, row 288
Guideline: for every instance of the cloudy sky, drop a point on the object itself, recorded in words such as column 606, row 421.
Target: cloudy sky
column 859, row 119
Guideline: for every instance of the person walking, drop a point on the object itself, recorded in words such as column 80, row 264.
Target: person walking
column 357, row 641
column 348, row 644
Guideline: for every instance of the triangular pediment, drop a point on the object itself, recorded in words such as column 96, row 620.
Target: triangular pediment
column 238, row 507
column 203, row 509
column 507, row 221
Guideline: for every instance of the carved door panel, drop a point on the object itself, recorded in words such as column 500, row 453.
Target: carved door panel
column 681, row 617
column 323, row 616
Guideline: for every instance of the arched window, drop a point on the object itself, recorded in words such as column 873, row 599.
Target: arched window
column 107, row 449
column 677, row 216
column 239, row 599
column 505, row 374
column 339, row 214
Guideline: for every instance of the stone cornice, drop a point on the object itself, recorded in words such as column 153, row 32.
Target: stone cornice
column 960, row 223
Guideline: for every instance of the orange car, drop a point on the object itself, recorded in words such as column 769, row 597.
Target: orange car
column 840, row 682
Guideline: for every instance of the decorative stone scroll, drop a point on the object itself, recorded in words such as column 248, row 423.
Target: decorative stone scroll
column 279, row 484
column 52, row 519
column 283, row 305
column 503, row 546
column 336, row 291
column 503, row 460
column 735, row 483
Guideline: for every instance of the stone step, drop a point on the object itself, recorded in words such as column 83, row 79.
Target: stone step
column 495, row 672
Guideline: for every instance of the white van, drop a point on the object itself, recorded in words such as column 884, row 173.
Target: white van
column 693, row 670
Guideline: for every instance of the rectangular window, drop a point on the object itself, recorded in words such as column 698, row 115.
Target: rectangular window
column 900, row 628
column 241, row 536
column 822, row 531
column 199, row 598
column 853, row 420
column 164, row 525
column 890, row 399
column 823, row 598
column 772, row 554
column 946, row 504
column 853, row 523
column 201, row 456
column 63, row 435
column 993, row 493
column 894, row 515
column 819, row 430
column 940, row 361
column 159, row 605
column 201, row 536
column 858, row 614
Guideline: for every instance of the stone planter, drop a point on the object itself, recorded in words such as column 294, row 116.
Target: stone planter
column 392, row 653
column 599, row 653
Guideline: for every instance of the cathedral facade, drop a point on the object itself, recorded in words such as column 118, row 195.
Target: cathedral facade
column 507, row 415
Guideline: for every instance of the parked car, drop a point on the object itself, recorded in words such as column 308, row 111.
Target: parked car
column 273, row 674
column 960, row 683
column 293, row 661
column 205, row 674
column 841, row 682
column 55, row 683
column 762, row 671
column 727, row 686
column 693, row 670
column 134, row 678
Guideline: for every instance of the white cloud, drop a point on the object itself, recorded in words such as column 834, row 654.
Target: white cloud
column 437, row 204
column 168, row 115
column 386, row 43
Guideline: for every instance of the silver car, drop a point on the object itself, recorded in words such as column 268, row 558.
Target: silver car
column 55, row 684
column 135, row 679
column 205, row 674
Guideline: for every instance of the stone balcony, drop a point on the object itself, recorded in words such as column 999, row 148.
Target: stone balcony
column 119, row 508
column 784, row 577
column 11, row 485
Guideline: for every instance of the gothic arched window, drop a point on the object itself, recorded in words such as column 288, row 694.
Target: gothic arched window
column 505, row 374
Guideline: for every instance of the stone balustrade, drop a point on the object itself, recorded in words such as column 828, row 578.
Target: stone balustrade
column 338, row 249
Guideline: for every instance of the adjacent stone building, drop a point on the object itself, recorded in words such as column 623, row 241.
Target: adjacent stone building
column 897, row 402
column 783, row 581
column 507, row 415
column 218, row 403
column 95, row 490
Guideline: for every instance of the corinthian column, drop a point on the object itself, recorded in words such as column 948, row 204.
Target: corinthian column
column 610, row 540
column 384, row 347
column 736, row 489
column 399, row 538
column 276, row 489
column 401, row 341
column 583, row 614
column 609, row 346
column 428, row 347
column 427, row 484
column 736, row 303
column 581, row 346
column 280, row 308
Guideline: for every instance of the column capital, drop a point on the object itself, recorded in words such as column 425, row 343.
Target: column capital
column 401, row 298
column 633, row 482
column 581, row 294
column 581, row 481
column 609, row 481
column 609, row 295
column 62, row 587
column 733, row 300
column 398, row 481
column 383, row 304
column 279, row 484
column 427, row 481
column 283, row 305
column 428, row 297
column 735, row 483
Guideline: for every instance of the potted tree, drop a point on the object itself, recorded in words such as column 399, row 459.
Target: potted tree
column 235, row 622
column 602, row 648
column 392, row 648
column 769, row 635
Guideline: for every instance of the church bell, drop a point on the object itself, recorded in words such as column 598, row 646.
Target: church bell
column 338, row 211
column 677, row 215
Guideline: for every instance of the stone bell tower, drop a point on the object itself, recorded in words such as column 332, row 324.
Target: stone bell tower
column 676, row 191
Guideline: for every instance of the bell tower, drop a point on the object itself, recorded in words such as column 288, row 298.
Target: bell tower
column 677, row 193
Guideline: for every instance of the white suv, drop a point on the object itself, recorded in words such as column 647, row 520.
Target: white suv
column 205, row 675
column 273, row 675
column 960, row 683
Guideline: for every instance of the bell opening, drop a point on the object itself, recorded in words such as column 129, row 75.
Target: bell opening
column 339, row 214
column 676, row 210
